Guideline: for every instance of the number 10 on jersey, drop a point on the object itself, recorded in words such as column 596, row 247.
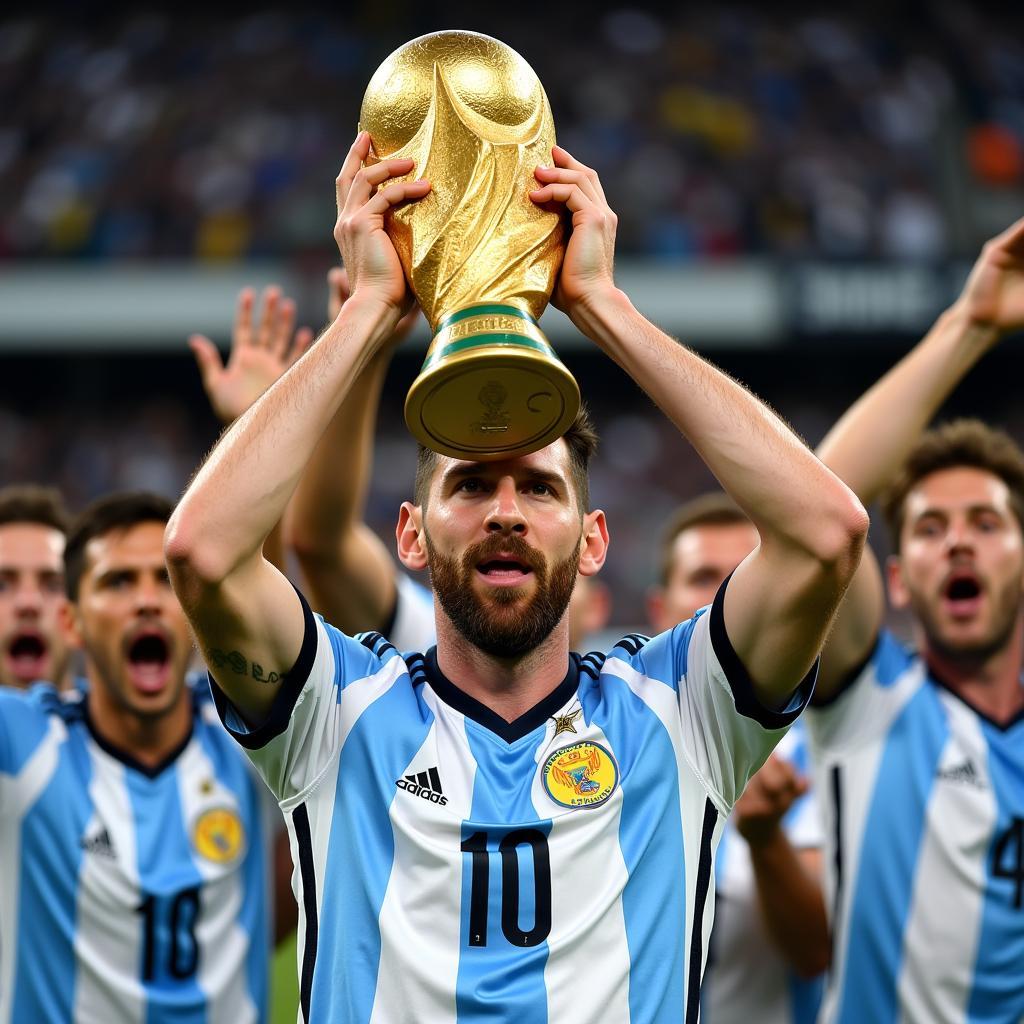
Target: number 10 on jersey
column 509, row 853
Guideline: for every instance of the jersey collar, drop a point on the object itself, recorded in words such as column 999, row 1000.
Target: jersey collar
column 483, row 715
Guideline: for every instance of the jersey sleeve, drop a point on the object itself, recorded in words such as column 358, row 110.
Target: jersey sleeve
column 311, row 716
column 412, row 627
column 726, row 732
column 868, row 704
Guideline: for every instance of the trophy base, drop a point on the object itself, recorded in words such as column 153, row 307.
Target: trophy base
column 491, row 388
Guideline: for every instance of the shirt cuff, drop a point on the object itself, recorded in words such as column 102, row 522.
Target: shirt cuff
column 742, row 686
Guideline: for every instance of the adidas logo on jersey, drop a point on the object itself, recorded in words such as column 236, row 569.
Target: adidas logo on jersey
column 99, row 844
column 965, row 773
column 424, row 784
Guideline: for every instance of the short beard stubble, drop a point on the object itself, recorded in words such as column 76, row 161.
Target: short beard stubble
column 494, row 625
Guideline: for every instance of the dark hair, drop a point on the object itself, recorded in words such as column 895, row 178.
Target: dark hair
column 715, row 508
column 581, row 439
column 965, row 442
column 114, row 512
column 33, row 503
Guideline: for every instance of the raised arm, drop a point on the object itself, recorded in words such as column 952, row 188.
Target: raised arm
column 781, row 600
column 349, row 573
column 869, row 443
column 246, row 616
column 260, row 353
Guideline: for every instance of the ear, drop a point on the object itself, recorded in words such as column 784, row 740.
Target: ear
column 412, row 545
column 594, row 543
column 899, row 595
column 71, row 624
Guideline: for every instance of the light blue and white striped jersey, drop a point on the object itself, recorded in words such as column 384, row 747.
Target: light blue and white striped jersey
column 747, row 978
column 456, row 868
column 922, row 801
column 127, row 894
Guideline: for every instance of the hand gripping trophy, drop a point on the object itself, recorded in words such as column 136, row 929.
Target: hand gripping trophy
column 480, row 257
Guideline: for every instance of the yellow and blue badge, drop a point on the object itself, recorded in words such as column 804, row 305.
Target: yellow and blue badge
column 583, row 774
column 219, row 835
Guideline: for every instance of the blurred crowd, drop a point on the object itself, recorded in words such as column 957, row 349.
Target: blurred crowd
column 717, row 130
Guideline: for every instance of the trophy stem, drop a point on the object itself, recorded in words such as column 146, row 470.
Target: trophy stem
column 491, row 386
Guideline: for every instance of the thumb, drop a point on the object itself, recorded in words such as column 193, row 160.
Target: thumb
column 337, row 291
column 207, row 359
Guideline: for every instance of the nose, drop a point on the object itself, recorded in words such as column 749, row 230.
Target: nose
column 505, row 515
column 959, row 537
column 149, row 595
column 28, row 598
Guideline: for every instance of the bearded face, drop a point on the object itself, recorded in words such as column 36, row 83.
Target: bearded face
column 502, row 594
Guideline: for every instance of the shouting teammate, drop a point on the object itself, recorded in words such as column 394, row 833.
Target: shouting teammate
column 132, row 834
column 496, row 828
column 922, row 752
column 33, row 640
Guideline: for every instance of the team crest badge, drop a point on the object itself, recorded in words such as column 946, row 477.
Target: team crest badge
column 583, row 774
column 218, row 835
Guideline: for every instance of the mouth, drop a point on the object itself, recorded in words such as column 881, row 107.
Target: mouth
column 149, row 661
column 962, row 594
column 504, row 571
column 28, row 656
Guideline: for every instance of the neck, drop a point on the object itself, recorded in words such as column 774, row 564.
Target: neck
column 148, row 739
column 990, row 682
column 508, row 686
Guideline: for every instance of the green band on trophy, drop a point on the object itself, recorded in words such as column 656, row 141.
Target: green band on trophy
column 477, row 340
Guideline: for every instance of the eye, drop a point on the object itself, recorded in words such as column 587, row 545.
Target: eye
column 540, row 489
column 471, row 485
column 988, row 523
column 117, row 580
column 928, row 528
column 53, row 584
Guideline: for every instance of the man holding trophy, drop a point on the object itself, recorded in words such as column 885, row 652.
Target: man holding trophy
column 496, row 828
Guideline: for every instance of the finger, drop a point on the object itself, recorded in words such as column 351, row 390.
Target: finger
column 572, row 196
column 207, row 359
column 395, row 193
column 561, row 175
column 337, row 291
column 358, row 152
column 242, row 334
column 268, row 317
column 366, row 181
column 284, row 328
column 1012, row 239
column 563, row 158
column 303, row 339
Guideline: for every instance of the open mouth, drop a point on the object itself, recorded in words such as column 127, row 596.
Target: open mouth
column 149, row 661
column 26, row 655
column 962, row 593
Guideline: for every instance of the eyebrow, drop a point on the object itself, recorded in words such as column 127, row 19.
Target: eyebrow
column 481, row 468
column 942, row 513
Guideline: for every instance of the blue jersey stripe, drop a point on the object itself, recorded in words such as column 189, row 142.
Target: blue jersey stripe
column 884, row 886
column 651, row 840
column 998, row 993
column 51, row 860
column 380, row 746
column 169, row 884
column 497, row 979
column 254, row 915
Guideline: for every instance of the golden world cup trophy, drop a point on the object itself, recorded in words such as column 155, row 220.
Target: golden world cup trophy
column 480, row 257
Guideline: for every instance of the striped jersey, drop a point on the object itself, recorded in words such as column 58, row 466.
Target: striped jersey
column 923, row 807
column 127, row 894
column 747, row 978
column 455, row 867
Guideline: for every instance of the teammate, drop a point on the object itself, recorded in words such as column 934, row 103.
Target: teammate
column 921, row 753
column 132, row 834
column 494, row 827
column 770, row 941
column 33, row 642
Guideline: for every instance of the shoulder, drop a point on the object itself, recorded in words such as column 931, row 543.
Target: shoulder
column 26, row 719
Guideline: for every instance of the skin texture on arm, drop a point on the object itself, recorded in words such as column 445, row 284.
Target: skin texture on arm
column 259, row 354
column 788, row 880
column 780, row 602
column 348, row 571
column 869, row 443
column 246, row 616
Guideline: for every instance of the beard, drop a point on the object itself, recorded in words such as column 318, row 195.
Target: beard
column 1006, row 609
column 498, row 624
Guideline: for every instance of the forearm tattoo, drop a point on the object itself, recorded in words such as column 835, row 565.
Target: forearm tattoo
column 236, row 662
